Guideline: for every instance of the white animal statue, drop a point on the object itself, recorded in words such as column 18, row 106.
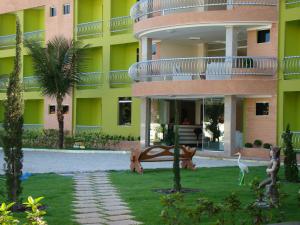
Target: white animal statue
column 243, row 169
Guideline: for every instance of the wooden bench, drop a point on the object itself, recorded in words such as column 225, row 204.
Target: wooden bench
column 161, row 154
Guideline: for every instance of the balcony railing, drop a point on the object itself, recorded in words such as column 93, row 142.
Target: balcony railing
column 31, row 83
column 149, row 8
column 86, row 128
column 120, row 24
column 292, row 2
column 35, row 36
column 119, row 77
column 91, row 79
column 90, row 29
column 3, row 83
column 296, row 140
column 33, row 126
column 205, row 68
column 7, row 41
column 291, row 67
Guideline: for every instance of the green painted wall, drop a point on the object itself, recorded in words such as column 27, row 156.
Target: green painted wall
column 38, row 23
column 94, row 62
column 7, row 24
column 90, row 10
column 291, row 109
column 89, row 111
column 121, row 7
column 28, row 66
column 6, row 65
column 292, row 37
column 34, row 112
column 123, row 56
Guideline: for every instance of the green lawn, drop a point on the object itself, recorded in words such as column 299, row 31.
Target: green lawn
column 58, row 193
column 215, row 183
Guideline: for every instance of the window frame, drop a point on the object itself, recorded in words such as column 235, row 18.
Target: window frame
column 262, row 108
column 261, row 39
column 51, row 112
column 124, row 100
column 68, row 7
column 53, row 11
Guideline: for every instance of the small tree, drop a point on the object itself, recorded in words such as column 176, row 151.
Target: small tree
column 290, row 158
column 176, row 167
column 58, row 67
column 13, row 127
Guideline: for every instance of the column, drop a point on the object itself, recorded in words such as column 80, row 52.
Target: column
column 230, row 125
column 231, row 41
column 145, row 122
column 146, row 48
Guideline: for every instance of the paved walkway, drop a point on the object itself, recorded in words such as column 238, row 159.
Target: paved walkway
column 59, row 162
column 98, row 202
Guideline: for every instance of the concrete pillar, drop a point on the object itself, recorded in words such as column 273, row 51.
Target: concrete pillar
column 145, row 122
column 229, row 125
column 198, row 111
column 146, row 48
column 231, row 41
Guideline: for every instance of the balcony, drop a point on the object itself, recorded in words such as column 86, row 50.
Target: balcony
column 35, row 36
column 203, row 68
column 119, row 78
column 7, row 41
column 152, row 8
column 292, row 3
column 121, row 24
column 91, row 80
column 291, row 67
column 31, row 83
column 3, row 83
column 90, row 29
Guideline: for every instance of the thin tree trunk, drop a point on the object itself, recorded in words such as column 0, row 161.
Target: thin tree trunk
column 176, row 167
column 60, row 119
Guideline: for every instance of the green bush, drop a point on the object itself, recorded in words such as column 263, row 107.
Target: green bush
column 267, row 145
column 249, row 145
column 257, row 143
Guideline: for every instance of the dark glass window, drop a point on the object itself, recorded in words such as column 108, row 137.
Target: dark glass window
column 125, row 111
column 137, row 55
column 67, row 9
column 52, row 11
column 52, row 109
column 66, row 109
column 263, row 36
column 262, row 109
column 154, row 48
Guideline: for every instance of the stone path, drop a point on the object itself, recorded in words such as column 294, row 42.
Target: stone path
column 97, row 201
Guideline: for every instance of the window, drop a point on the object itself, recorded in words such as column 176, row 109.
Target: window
column 52, row 11
column 262, row 109
column 263, row 36
column 52, row 109
column 67, row 9
column 154, row 48
column 66, row 109
column 125, row 111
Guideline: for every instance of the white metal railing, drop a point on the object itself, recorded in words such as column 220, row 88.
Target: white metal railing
column 119, row 77
column 208, row 68
column 291, row 66
column 120, row 24
column 3, row 82
column 7, row 41
column 90, row 29
column 30, row 83
column 149, row 8
column 292, row 2
column 36, row 36
column 91, row 79
column 87, row 128
column 33, row 126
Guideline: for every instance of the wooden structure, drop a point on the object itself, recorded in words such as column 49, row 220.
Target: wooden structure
column 161, row 154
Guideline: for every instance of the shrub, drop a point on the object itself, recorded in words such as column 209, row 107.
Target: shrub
column 267, row 145
column 290, row 158
column 249, row 145
column 257, row 143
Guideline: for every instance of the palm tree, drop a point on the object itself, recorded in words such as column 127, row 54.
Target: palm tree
column 57, row 67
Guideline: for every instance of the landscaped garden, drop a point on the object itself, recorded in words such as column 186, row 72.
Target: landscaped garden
column 215, row 184
column 58, row 193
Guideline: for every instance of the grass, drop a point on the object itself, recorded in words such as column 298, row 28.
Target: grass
column 215, row 183
column 58, row 193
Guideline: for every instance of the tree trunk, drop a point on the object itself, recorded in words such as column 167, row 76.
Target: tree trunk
column 60, row 119
column 176, row 167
